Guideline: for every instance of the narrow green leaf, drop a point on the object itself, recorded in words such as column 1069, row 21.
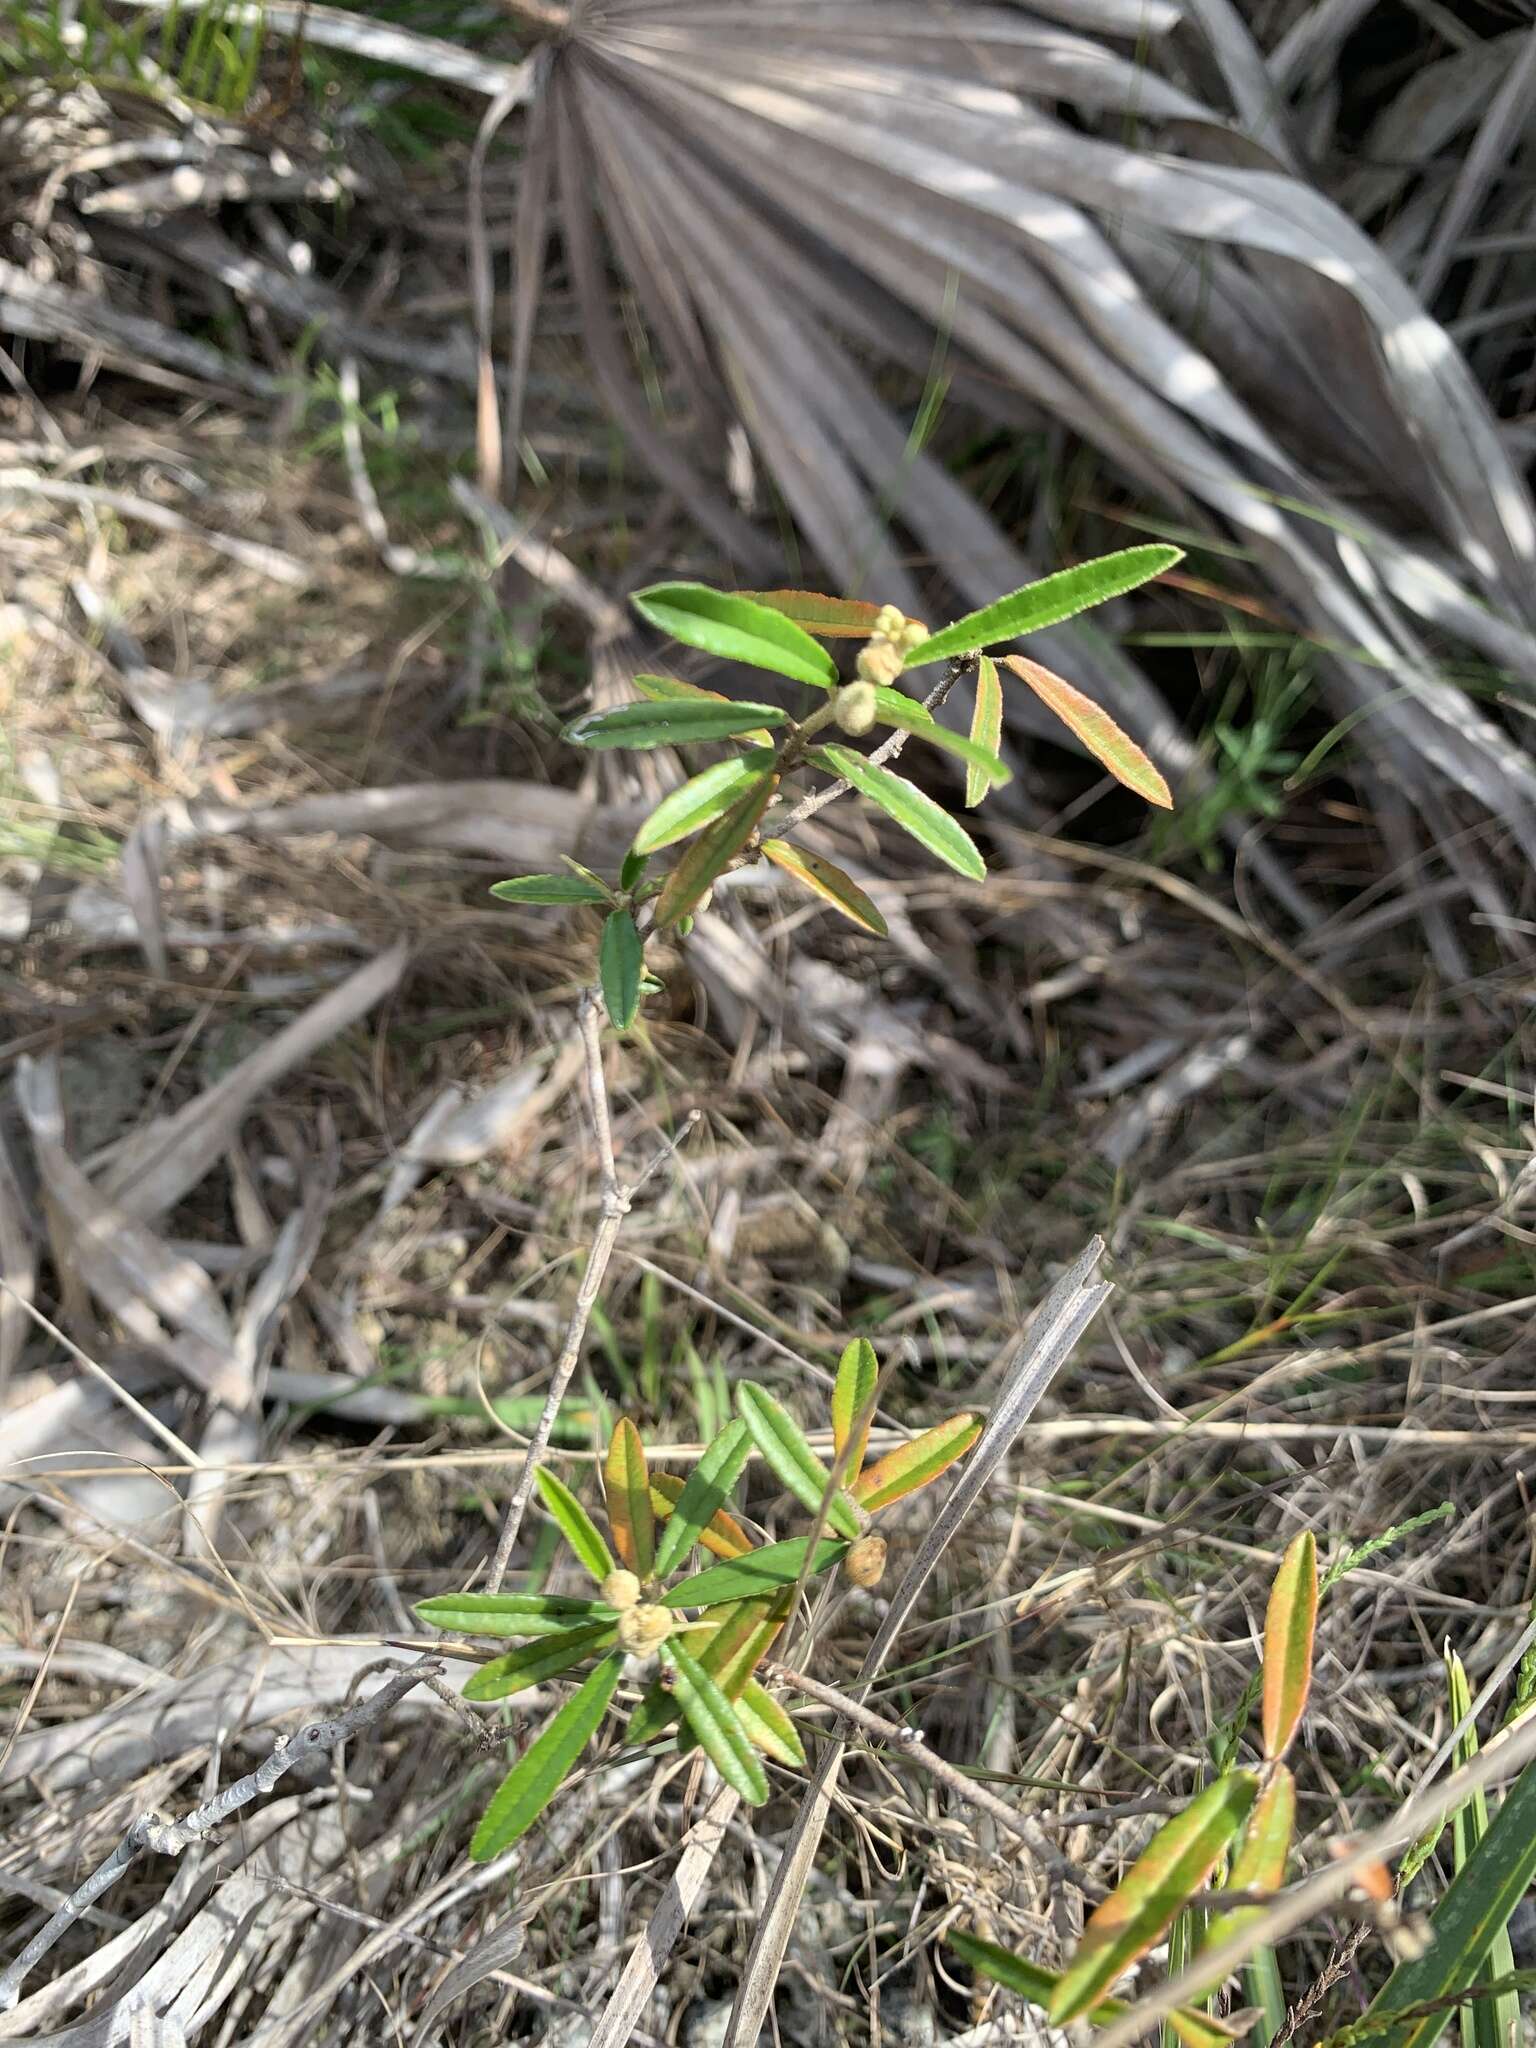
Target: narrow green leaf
column 575, row 1524
column 672, row 724
column 1485, row 2022
column 632, row 870
column 986, row 726
column 916, row 1464
column 747, row 1578
column 627, row 1491
column 829, row 618
column 712, row 853
column 538, row 1773
column 1259, row 1865
column 907, row 715
column 829, row 882
column 509, row 1614
column 1175, row 1863
column 905, row 802
column 713, row 1720
column 705, row 1492
column 549, row 889
column 673, row 690
column 722, row 1534
column 1096, row 730
column 1047, row 602
column 790, row 1458
column 1289, row 1627
column 1475, row 1909
column 1029, row 1980
column 735, row 629
column 535, row 1662
column 620, row 967
column 853, row 1393
column 702, row 799
column 767, row 1725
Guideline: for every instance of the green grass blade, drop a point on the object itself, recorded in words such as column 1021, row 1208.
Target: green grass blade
column 1467, row 1921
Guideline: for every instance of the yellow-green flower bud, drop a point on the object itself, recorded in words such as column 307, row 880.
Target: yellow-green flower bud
column 645, row 1628
column 912, row 634
column 856, row 708
column 621, row 1590
column 888, row 622
column 879, row 662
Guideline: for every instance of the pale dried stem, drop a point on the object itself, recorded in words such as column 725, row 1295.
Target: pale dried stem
column 613, row 1207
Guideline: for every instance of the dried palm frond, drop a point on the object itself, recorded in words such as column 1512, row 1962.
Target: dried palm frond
column 1098, row 219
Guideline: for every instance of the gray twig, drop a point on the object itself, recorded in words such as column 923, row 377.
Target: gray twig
column 153, row 1833
column 885, row 753
column 911, row 1743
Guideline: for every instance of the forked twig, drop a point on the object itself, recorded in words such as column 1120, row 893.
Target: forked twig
column 152, row 1832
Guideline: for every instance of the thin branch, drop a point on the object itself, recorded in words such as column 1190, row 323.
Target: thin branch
column 613, row 1208
column 911, row 1743
column 153, row 1833
column 614, row 1205
column 885, row 753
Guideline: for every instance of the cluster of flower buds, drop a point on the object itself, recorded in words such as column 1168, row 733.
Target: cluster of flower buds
column 879, row 664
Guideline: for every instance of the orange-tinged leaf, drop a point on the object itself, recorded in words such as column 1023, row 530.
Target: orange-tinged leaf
column 1095, row 728
column 828, row 882
column 740, row 1645
column 829, row 618
column 1173, row 1866
column 1289, row 1627
column 1259, row 1865
column 912, row 1465
column 712, row 853
column 986, row 726
column 627, row 1490
column 853, row 1396
column 721, row 1535
column 1029, row 1980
